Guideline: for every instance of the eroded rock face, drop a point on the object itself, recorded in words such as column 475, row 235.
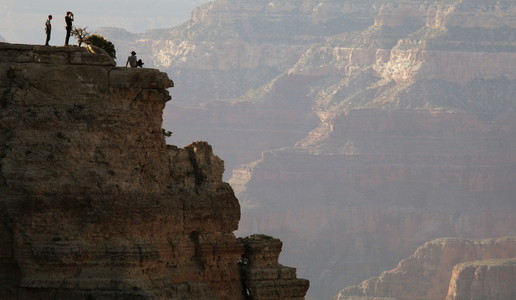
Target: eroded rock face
column 94, row 204
column 264, row 277
column 463, row 269
column 491, row 279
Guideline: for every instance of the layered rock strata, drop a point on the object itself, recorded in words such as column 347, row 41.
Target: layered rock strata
column 402, row 178
column 94, row 204
column 461, row 269
column 264, row 277
column 490, row 279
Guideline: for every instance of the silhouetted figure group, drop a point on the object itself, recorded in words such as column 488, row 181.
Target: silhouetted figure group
column 132, row 60
column 68, row 20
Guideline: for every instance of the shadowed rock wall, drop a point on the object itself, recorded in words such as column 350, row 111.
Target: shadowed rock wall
column 93, row 203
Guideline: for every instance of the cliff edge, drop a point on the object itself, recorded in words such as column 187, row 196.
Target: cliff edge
column 93, row 203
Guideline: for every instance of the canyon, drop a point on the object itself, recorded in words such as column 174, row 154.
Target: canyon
column 95, row 205
column 353, row 131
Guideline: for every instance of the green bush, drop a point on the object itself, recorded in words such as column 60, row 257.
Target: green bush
column 102, row 43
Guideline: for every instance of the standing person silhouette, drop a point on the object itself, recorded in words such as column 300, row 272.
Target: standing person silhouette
column 48, row 29
column 68, row 20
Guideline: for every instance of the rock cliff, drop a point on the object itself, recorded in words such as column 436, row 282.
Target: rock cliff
column 264, row 277
column 489, row 279
column 94, row 204
column 461, row 269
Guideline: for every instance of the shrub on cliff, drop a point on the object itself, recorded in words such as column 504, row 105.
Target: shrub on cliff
column 80, row 34
column 101, row 42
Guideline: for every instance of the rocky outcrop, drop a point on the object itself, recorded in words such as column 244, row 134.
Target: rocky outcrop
column 93, row 203
column 428, row 274
column 264, row 277
column 239, row 129
column 491, row 279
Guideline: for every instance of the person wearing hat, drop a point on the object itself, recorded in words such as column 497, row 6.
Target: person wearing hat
column 132, row 60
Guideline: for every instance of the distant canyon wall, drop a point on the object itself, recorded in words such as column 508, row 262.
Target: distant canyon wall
column 400, row 179
column 415, row 142
column 446, row 269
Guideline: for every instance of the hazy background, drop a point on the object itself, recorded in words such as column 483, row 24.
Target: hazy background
column 22, row 21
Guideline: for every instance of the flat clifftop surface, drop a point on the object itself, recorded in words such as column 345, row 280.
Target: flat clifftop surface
column 94, row 204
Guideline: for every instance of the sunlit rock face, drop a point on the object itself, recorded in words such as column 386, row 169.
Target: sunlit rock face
column 446, row 269
column 93, row 203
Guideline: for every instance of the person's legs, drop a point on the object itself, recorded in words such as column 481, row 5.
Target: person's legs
column 67, row 36
column 48, row 38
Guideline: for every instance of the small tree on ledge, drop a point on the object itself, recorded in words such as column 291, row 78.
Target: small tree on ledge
column 80, row 34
